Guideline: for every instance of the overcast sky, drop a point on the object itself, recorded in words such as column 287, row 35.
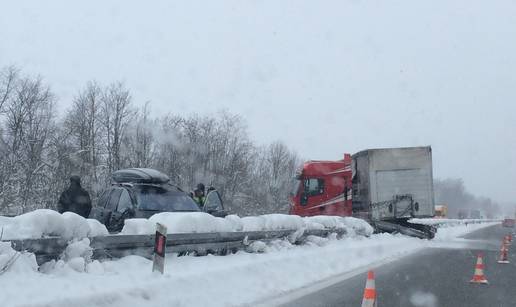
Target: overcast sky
column 326, row 77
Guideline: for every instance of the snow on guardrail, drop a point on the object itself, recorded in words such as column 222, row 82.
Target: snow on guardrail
column 66, row 237
column 48, row 223
column 45, row 222
column 199, row 222
column 451, row 222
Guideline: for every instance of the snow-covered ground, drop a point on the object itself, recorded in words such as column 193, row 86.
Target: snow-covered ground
column 443, row 221
column 452, row 232
column 234, row 280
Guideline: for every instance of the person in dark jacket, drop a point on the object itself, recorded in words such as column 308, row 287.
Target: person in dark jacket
column 75, row 199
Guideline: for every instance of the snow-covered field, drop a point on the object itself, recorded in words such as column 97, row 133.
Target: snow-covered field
column 234, row 280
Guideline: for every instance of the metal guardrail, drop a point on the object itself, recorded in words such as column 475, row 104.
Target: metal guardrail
column 116, row 246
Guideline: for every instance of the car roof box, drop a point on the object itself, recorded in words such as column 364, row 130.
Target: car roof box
column 139, row 175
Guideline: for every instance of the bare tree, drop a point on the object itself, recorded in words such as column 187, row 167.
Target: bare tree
column 8, row 78
column 29, row 122
column 170, row 147
column 272, row 176
column 83, row 123
column 139, row 141
column 116, row 114
column 101, row 132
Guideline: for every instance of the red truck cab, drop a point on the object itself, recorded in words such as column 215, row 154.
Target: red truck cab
column 323, row 188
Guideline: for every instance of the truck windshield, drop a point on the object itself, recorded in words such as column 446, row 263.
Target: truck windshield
column 156, row 198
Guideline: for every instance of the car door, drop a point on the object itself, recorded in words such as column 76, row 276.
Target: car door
column 213, row 204
column 124, row 209
column 112, row 203
column 313, row 198
column 100, row 212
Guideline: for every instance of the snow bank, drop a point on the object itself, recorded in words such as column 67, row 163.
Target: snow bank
column 272, row 222
column 280, row 267
column 355, row 225
column 444, row 222
column 96, row 228
column 15, row 262
column 196, row 222
column 235, row 221
column 452, row 232
column 78, row 249
column 77, row 257
column 138, row 227
column 191, row 222
column 45, row 222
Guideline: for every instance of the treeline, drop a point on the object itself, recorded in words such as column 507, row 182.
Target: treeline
column 102, row 130
column 453, row 193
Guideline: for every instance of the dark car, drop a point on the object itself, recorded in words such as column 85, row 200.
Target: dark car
column 141, row 193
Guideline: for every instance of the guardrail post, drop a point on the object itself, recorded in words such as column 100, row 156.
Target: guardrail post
column 160, row 242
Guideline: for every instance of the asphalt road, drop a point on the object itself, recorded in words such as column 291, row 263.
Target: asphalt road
column 432, row 277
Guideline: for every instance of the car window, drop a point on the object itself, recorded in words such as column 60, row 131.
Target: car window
column 113, row 199
column 163, row 198
column 125, row 201
column 213, row 202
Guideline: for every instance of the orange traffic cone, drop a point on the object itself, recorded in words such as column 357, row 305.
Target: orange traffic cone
column 503, row 254
column 369, row 299
column 479, row 277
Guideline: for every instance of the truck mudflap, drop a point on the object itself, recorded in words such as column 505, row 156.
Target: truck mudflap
column 404, row 227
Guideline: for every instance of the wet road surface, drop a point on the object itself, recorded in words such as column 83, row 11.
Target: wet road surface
column 432, row 277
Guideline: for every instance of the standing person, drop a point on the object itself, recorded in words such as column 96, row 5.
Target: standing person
column 75, row 199
column 199, row 195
